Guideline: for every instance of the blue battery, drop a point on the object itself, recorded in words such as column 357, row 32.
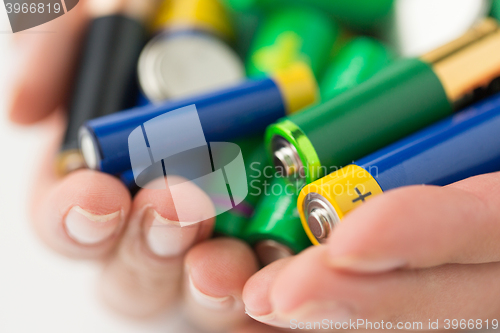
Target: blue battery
column 461, row 146
column 128, row 180
column 142, row 100
column 224, row 115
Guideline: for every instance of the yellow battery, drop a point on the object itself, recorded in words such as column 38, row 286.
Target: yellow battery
column 323, row 203
column 207, row 15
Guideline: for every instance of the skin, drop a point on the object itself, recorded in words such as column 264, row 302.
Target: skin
column 135, row 281
column 390, row 260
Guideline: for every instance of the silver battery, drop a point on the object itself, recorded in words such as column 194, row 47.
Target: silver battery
column 180, row 65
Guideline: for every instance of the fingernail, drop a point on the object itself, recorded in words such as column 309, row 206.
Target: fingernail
column 167, row 238
column 89, row 229
column 361, row 265
column 210, row 302
column 269, row 319
column 318, row 311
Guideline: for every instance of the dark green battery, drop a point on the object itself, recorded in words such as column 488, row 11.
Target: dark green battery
column 275, row 231
column 246, row 25
column 358, row 14
column 402, row 98
column 359, row 60
column 233, row 222
column 361, row 120
column 290, row 35
column 495, row 9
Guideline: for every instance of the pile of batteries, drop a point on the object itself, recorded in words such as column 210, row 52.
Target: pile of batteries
column 319, row 95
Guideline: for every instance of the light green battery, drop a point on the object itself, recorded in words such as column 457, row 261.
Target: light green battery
column 233, row 222
column 356, row 62
column 275, row 231
column 294, row 34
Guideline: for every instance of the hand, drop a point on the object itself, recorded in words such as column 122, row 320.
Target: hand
column 150, row 262
column 410, row 255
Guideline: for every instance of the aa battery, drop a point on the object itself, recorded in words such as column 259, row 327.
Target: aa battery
column 275, row 230
column 127, row 178
column 290, row 35
column 202, row 15
column 233, row 222
column 402, row 98
column 190, row 53
column 232, row 113
column 357, row 14
column 356, row 62
column 461, row 146
column 106, row 77
column 245, row 25
column 495, row 9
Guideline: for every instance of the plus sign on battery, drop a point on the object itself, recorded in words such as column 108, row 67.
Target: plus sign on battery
column 361, row 196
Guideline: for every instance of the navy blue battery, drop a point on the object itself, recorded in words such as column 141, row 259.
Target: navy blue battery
column 224, row 115
column 128, row 180
column 142, row 100
column 461, row 146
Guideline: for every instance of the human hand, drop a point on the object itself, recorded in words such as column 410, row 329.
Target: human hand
column 149, row 261
column 411, row 255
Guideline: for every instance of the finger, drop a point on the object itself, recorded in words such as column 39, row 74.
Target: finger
column 216, row 274
column 82, row 215
column 308, row 290
column 257, row 291
column 144, row 276
column 422, row 227
column 45, row 64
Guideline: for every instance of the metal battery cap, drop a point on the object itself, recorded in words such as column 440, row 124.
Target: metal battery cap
column 286, row 159
column 177, row 66
column 89, row 149
column 320, row 215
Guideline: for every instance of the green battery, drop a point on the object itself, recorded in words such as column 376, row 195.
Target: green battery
column 275, row 231
column 291, row 35
column 402, row 98
column 233, row 222
column 356, row 62
column 245, row 24
column 495, row 9
column 357, row 14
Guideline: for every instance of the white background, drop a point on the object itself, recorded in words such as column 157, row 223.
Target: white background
column 42, row 292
